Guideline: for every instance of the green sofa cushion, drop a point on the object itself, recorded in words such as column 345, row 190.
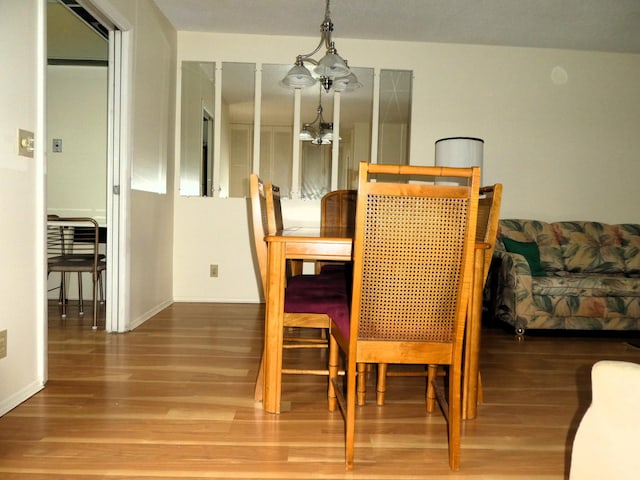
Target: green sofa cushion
column 531, row 253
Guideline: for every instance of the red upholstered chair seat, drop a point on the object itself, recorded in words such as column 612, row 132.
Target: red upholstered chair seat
column 326, row 293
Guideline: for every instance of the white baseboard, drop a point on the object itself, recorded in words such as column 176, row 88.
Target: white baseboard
column 17, row 398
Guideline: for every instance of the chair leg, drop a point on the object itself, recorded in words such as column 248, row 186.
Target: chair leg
column 334, row 361
column 258, row 389
column 361, row 382
column 63, row 293
column 381, row 384
column 95, row 302
column 101, row 288
column 454, row 417
column 350, row 414
column 80, row 295
column 432, row 374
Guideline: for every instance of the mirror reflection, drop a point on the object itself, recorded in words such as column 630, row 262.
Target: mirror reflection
column 356, row 120
column 227, row 175
column 394, row 116
column 196, row 127
column 236, row 136
column 276, row 131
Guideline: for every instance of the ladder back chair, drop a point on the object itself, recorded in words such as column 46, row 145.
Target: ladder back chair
column 309, row 299
column 412, row 277
column 275, row 223
column 73, row 247
column 337, row 210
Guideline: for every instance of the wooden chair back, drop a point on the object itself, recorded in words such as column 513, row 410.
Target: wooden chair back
column 302, row 292
column 489, row 204
column 413, row 256
column 412, row 279
column 260, row 225
column 274, row 207
column 338, row 209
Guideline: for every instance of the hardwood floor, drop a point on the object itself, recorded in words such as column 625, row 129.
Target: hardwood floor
column 174, row 400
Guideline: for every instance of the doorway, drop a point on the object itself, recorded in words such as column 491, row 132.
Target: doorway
column 83, row 88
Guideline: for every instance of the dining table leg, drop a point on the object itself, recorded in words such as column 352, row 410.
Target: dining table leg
column 273, row 327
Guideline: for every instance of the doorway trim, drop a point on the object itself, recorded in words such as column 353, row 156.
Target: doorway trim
column 117, row 196
column 118, row 159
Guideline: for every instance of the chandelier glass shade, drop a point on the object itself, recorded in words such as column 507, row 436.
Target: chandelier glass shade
column 331, row 70
column 318, row 132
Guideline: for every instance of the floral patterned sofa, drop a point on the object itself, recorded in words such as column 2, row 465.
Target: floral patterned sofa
column 566, row 275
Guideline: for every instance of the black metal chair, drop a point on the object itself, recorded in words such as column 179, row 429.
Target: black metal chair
column 73, row 247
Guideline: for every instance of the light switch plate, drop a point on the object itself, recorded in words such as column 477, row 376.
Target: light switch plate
column 25, row 143
column 3, row 343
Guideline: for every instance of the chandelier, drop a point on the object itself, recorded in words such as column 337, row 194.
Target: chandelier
column 332, row 71
column 320, row 135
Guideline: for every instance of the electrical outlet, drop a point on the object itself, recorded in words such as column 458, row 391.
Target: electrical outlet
column 3, row 343
column 213, row 270
column 57, row 145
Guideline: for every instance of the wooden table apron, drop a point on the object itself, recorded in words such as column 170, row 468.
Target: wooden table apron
column 307, row 244
column 299, row 244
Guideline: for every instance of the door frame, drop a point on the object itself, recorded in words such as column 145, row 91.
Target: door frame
column 118, row 160
column 117, row 191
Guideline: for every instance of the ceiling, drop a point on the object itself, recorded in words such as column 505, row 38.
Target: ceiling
column 596, row 25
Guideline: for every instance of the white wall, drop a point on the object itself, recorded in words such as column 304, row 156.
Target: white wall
column 22, row 284
column 77, row 114
column 147, row 268
column 560, row 131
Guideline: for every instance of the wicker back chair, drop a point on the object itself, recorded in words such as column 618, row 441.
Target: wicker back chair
column 412, row 277
column 490, row 198
column 309, row 299
column 486, row 235
column 488, row 216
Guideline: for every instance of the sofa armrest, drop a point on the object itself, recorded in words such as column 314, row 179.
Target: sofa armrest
column 514, row 296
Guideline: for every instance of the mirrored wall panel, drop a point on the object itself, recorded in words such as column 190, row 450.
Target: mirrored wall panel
column 218, row 154
column 356, row 121
column 236, row 149
column 276, row 128
column 394, row 116
column 196, row 129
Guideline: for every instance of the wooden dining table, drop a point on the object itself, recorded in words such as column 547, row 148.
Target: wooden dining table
column 308, row 243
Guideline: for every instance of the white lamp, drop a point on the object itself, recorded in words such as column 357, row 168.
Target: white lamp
column 459, row 152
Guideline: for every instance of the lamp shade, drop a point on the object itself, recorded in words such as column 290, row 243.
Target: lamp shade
column 459, row 152
column 307, row 133
column 331, row 66
column 298, row 77
column 346, row 84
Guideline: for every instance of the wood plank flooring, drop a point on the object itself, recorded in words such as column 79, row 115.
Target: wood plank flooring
column 174, row 400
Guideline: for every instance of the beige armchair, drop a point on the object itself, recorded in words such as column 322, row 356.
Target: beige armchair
column 606, row 443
